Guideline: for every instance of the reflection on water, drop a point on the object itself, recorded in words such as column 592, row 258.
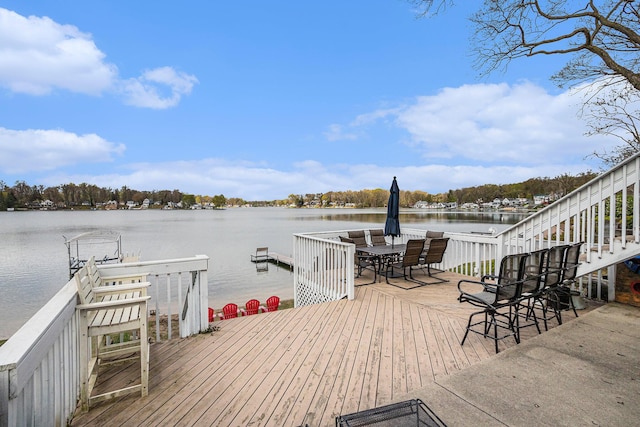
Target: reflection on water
column 33, row 257
column 417, row 216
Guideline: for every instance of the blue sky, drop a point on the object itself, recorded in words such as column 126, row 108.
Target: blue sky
column 260, row 100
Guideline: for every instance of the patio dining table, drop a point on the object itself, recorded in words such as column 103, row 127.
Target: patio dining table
column 382, row 253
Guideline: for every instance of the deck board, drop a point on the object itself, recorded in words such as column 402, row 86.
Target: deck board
column 304, row 365
column 311, row 391
column 372, row 367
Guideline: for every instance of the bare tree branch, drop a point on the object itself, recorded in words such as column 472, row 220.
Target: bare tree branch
column 600, row 38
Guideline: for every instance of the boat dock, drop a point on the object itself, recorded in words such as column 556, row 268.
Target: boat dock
column 263, row 255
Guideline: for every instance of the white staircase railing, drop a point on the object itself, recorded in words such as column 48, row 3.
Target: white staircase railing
column 602, row 214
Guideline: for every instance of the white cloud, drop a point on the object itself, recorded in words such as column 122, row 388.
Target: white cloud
column 490, row 124
column 145, row 90
column 38, row 56
column 336, row 133
column 496, row 124
column 43, row 150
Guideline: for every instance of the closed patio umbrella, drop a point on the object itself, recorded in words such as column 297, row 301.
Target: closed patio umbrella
column 392, row 226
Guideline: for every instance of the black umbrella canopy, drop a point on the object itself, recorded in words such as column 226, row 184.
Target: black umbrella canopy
column 392, row 226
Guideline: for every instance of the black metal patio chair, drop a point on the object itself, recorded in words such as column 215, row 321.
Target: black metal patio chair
column 358, row 238
column 434, row 255
column 408, row 260
column 497, row 296
column 563, row 293
column 377, row 237
column 545, row 298
column 533, row 282
column 363, row 261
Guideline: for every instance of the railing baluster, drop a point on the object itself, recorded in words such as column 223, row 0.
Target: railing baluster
column 157, row 305
column 168, row 306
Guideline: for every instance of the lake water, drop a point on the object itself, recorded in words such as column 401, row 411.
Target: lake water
column 34, row 258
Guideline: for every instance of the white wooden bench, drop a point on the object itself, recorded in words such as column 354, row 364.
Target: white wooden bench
column 107, row 310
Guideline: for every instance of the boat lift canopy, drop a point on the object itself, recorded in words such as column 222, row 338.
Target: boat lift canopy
column 85, row 245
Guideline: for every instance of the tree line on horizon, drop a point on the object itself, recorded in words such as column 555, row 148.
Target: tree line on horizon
column 24, row 196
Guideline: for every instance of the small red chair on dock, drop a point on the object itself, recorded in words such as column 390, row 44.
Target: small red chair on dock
column 272, row 304
column 212, row 315
column 229, row 311
column 251, row 307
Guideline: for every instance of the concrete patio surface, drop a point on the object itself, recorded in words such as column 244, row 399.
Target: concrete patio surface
column 585, row 372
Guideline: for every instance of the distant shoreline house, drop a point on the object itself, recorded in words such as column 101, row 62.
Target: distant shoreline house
column 435, row 205
column 496, row 204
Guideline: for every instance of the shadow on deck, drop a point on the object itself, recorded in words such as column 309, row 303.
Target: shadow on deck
column 310, row 364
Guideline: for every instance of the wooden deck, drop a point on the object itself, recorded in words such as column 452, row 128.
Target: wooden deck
column 306, row 365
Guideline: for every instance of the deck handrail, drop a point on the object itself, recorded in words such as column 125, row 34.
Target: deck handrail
column 39, row 364
column 468, row 254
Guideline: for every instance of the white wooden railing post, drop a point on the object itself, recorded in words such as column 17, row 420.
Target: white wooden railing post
column 203, row 291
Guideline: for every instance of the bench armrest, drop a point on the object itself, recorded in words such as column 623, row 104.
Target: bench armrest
column 130, row 278
column 113, row 304
column 121, row 289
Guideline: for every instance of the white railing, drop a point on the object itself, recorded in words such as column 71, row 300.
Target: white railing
column 39, row 372
column 601, row 214
column 470, row 254
column 179, row 292
column 323, row 268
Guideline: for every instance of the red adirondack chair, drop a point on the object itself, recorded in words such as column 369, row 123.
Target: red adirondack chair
column 251, row 307
column 229, row 311
column 272, row 304
column 212, row 315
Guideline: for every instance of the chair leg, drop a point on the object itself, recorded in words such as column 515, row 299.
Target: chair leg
column 85, row 356
column 514, row 323
column 144, row 353
column 491, row 321
column 556, row 305
column 495, row 332
column 528, row 315
column 571, row 293
column 487, row 324
column 469, row 326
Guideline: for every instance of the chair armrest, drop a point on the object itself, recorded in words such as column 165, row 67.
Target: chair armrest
column 243, row 312
column 113, row 304
column 120, row 289
column 131, row 278
column 468, row 284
